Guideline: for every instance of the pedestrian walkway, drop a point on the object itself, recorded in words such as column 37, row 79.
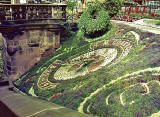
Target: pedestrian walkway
column 141, row 26
column 27, row 106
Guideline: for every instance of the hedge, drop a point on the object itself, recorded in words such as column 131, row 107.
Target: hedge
column 94, row 22
column 112, row 6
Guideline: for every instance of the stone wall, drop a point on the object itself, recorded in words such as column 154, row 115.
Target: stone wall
column 1, row 45
column 23, row 49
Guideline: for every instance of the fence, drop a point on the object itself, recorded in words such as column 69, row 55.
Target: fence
column 141, row 9
column 153, row 4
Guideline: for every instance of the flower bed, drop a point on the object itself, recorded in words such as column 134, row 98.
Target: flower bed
column 82, row 66
column 124, row 45
column 86, row 63
column 43, row 81
column 126, row 91
column 106, row 52
column 119, row 88
column 125, row 18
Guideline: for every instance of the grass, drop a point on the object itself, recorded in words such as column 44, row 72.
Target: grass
column 153, row 22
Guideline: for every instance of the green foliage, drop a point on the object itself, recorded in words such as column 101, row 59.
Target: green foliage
column 94, row 21
column 151, row 17
column 71, row 5
column 66, row 33
column 112, row 6
column 154, row 22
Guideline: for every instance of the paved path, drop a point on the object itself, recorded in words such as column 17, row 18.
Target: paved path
column 141, row 26
column 26, row 106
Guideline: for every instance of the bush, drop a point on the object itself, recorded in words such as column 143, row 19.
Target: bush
column 94, row 22
column 71, row 5
column 66, row 33
column 112, row 6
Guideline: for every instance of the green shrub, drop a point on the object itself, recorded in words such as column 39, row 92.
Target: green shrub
column 94, row 22
column 71, row 5
column 112, row 6
column 66, row 33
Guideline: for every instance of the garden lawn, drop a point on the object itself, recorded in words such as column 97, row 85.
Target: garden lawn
column 153, row 22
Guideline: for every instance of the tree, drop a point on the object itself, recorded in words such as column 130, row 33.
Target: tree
column 112, row 6
column 70, row 6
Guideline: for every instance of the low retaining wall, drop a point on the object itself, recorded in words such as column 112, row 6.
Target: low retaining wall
column 23, row 49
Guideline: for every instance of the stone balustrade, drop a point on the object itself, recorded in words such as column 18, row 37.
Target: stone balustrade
column 25, row 12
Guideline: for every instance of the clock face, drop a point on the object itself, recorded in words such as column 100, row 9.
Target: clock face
column 85, row 63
